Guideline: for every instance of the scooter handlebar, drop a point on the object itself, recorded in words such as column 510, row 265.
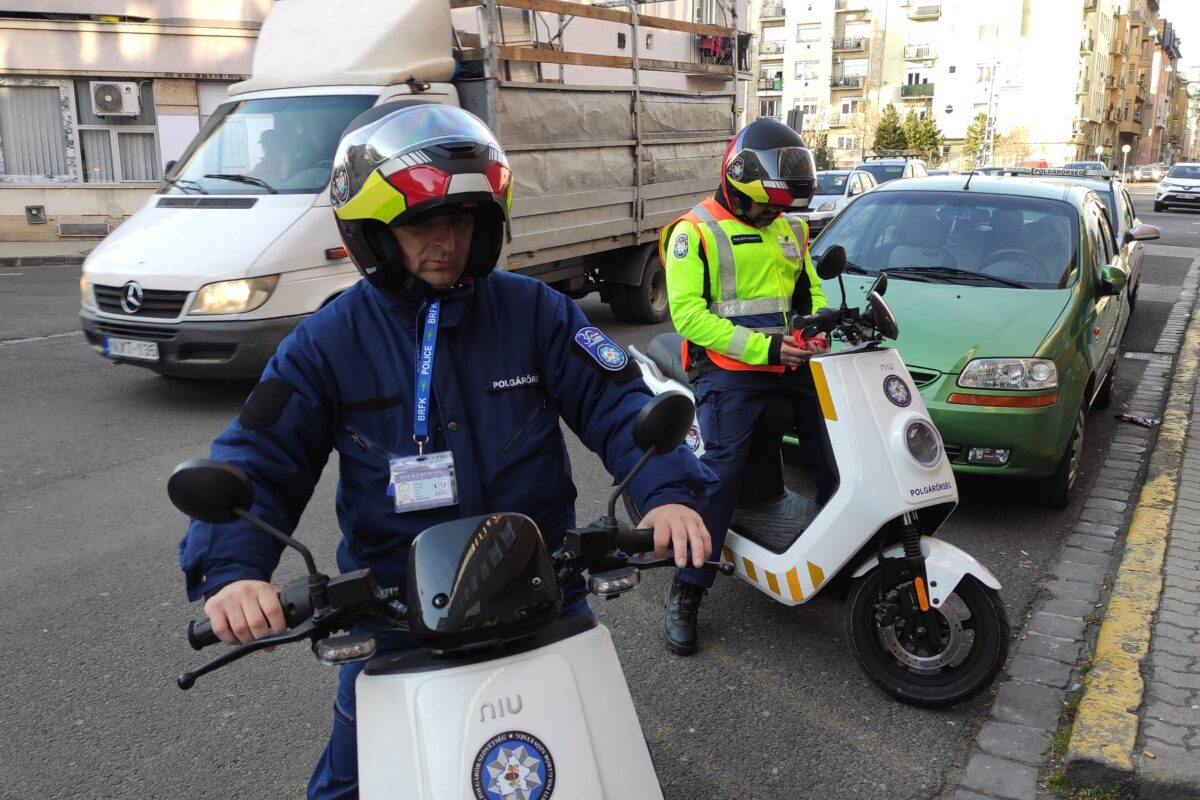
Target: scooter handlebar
column 640, row 540
column 200, row 634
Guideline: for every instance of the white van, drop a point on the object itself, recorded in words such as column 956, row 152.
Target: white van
column 239, row 243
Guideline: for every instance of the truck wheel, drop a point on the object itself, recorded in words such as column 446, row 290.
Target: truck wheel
column 646, row 303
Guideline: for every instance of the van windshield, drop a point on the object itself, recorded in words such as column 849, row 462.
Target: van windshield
column 281, row 145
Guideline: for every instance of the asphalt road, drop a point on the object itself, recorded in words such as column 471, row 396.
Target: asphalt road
column 92, row 606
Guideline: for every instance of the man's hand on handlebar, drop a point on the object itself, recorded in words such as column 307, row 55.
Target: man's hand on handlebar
column 681, row 528
column 245, row 610
column 793, row 353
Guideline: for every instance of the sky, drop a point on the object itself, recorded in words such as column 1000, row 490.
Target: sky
column 1185, row 16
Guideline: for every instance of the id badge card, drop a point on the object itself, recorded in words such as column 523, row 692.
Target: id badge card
column 420, row 482
column 788, row 247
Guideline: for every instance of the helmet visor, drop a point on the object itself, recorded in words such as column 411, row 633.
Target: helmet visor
column 782, row 176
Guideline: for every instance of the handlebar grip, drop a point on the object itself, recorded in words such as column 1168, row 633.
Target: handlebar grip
column 200, row 634
column 636, row 541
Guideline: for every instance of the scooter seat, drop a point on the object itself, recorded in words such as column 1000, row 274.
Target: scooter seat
column 666, row 350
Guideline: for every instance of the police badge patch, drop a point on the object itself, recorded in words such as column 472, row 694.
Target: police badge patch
column 897, row 390
column 340, row 184
column 513, row 765
column 737, row 168
column 604, row 350
column 681, row 246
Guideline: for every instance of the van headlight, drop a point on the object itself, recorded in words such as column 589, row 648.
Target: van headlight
column 1009, row 373
column 85, row 291
column 233, row 297
column 829, row 206
column 923, row 442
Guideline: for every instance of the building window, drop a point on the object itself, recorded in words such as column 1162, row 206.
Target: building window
column 846, row 143
column 850, row 105
column 808, row 105
column 768, row 108
column 1125, row 116
column 117, row 149
column 808, row 33
column 807, row 70
column 985, row 73
column 35, row 135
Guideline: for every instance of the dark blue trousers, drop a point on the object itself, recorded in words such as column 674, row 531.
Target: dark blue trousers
column 336, row 774
column 728, row 404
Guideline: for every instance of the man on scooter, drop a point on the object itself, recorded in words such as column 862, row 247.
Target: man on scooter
column 440, row 384
column 737, row 270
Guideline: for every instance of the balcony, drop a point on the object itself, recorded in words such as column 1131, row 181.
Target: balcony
column 1087, row 45
column 919, row 52
column 914, row 91
column 925, row 12
column 838, row 120
column 770, row 84
column 1137, row 117
column 847, row 82
column 772, row 11
column 1110, row 82
column 849, row 5
column 849, row 43
column 769, row 49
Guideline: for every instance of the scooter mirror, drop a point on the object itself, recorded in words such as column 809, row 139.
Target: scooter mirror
column 882, row 317
column 831, row 263
column 210, row 490
column 880, row 284
column 664, row 422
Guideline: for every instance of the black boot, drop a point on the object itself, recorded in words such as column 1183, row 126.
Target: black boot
column 679, row 623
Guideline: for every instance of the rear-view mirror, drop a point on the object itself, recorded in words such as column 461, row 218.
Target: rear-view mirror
column 831, row 263
column 210, row 490
column 1141, row 233
column 664, row 422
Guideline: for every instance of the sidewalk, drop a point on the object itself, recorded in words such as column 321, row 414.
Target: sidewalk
column 37, row 254
column 1124, row 716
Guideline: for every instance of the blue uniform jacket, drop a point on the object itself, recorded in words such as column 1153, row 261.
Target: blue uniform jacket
column 507, row 366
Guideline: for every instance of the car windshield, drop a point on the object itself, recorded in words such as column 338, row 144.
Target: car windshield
column 883, row 172
column 959, row 237
column 281, row 145
column 829, row 183
column 1189, row 171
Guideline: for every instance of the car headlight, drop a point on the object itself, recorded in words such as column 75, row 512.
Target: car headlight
column 85, row 291
column 1009, row 373
column 233, row 297
column 923, row 442
column 830, row 206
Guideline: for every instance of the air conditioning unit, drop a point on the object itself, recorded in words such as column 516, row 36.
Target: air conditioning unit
column 110, row 99
column 837, row 59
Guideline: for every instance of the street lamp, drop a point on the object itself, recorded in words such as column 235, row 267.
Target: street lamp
column 1124, row 155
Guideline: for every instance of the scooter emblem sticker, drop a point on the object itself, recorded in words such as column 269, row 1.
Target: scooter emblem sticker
column 513, row 765
column 897, row 390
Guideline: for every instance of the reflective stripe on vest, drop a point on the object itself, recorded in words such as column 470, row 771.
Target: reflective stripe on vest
column 729, row 306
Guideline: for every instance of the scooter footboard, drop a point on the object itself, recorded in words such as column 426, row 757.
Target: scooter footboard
column 945, row 566
column 551, row 717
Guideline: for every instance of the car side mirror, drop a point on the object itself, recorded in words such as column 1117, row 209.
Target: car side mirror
column 1112, row 280
column 169, row 165
column 1141, row 233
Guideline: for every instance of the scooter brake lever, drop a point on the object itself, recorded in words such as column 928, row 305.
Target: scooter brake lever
column 723, row 567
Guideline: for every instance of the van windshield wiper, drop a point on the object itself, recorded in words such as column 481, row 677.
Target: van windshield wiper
column 184, row 183
column 952, row 272
column 245, row 179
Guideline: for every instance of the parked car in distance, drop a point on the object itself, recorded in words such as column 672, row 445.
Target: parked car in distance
column 835, row 188
column 1084, row 165
column 1011, row 303
column 1180, row 187
column 889, row 168
column 1150, row 172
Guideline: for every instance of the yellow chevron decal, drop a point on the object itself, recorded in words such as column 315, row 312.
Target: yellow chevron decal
column 772, row 581
column 750, row 569
column 817, row 575
column 727, row 555
column 818, row 373
column 793, row 579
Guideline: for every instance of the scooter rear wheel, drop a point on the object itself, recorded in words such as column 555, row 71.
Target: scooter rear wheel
column 881, row 623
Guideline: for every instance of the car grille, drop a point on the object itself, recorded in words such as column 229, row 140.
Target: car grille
column 923, row 377
column 953, row 451
column 120, row 331
column 155, row 302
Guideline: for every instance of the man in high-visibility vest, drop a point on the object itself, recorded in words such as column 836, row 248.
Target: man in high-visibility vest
column 737, row 270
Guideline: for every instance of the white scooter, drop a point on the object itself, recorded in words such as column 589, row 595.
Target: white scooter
column 506, row 700
column 924, row 619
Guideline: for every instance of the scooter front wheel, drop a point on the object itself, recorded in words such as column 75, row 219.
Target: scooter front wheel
column 885, row 629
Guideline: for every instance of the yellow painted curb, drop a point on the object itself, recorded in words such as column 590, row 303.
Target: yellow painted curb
column 1106, row 723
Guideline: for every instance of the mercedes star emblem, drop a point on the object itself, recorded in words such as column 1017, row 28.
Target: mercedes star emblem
column 131, row 298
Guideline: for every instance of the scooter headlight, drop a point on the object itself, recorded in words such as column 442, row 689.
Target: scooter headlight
column 923, row 442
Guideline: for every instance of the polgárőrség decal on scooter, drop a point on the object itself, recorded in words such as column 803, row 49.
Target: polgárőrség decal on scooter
column 513, row 765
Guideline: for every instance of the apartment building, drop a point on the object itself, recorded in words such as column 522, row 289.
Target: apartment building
column 1056, row 81
column 93, row 103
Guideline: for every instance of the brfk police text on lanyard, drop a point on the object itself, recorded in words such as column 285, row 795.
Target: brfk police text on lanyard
column 425, row 480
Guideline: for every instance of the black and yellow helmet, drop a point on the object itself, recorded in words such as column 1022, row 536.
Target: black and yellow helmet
column 767, row 163
column 402, row 161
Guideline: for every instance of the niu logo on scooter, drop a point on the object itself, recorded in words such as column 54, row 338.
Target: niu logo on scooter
column 501, row 703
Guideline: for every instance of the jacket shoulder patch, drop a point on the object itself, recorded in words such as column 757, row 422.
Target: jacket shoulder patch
column 265, row 404
column 680, row 249
column 603, row 350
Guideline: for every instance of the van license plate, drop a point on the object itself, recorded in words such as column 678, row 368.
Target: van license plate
column 130, row 348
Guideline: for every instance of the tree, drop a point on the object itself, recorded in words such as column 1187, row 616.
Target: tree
column 923, row 137
column 976, row 141
column 1015, row 145
column 889, row 135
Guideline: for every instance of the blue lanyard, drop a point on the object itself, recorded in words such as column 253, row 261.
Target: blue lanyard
column 425, row 376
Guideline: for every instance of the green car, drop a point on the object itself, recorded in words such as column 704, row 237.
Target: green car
column 1011, row 299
